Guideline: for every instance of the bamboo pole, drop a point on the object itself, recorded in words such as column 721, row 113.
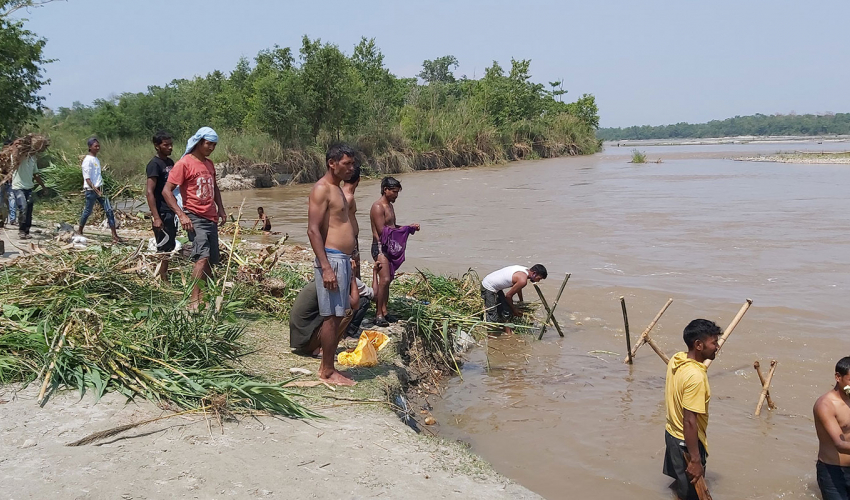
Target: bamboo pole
column 761, row 379
column 626, row 323
column 700, row 486
column 645, row 334
column 548, row 310
column 731, row 327
column 220, row 299
column 657, row 350
column 554, row 305
column 765, row 388
column 49, row 373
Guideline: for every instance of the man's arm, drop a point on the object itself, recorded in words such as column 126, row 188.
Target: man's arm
column 39, row 180
column 171, row 201
column 317, row 210
column 149, row 194
column 825, row 415
column 222, row 215
column 694, row 468
column 520, row 280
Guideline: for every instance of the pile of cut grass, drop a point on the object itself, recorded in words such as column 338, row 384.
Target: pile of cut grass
column 92, row 321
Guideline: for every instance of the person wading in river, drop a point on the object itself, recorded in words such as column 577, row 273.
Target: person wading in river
column 331, row 235
column 382, row 217
column 832, row 423
column 202, row 209
column 500, row 305
column 93, row 187
column 163, row 220
column 686, row 396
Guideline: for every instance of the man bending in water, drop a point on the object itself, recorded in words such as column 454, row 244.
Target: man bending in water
column 832, row 423
column 500, row 305
column 332, row 238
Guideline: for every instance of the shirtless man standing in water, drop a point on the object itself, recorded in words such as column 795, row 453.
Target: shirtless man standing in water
column 331, row 235
column 832, row 423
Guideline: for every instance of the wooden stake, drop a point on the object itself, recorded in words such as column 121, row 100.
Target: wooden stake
column 548, row 310
column 765, row 387
column 554, row 305
column 220, row 299
column 626, row 323
column 645, row 334
column 731, row 327
column 700, row 486
column 657, row 350
column 761, row 379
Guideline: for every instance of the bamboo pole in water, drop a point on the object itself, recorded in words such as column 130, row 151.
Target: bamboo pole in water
column 731, row 327
column 645, row 335
column 626, row 323
column 761, row 379
column 766, row 387
column 551, row 313
column 548, row 310
column 657, row 350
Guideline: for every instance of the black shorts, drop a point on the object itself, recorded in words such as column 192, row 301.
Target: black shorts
column 375, row 251
column 497, row 305
column 204, row 239
column 834, row 481
column 166, row 237
column 675, row 466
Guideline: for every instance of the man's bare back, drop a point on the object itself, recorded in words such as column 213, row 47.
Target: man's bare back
column 336, row 228
column 832, row 421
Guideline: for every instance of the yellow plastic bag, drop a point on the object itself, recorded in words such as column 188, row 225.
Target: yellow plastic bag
column 366, row 352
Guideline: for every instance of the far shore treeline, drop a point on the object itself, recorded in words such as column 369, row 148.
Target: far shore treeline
column 757, row 125
column 283, row 109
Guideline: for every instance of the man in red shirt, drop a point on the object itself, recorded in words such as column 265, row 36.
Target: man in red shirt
column 203, row 209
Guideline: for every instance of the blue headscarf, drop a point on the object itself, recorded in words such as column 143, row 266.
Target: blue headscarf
column 205, row 133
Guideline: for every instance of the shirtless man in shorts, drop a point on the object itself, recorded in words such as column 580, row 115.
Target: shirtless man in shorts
column 832, row 423
column 331, row 235
column 348, row 189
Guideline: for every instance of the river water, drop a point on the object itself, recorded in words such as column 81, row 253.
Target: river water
column 564, row 416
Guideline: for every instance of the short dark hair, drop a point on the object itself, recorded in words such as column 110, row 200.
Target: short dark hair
column 260, row 209
column 539, row 270
column 700, row 329
column 389, row 183
column 355, row 176
column 843, row 366
column 91, row 141
column 161, row 136
column 337, row 151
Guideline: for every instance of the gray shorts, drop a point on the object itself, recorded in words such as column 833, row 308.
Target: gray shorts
column 336, row 302
column 204, row 239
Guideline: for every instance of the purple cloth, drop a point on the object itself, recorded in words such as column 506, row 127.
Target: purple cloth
column 394, row 243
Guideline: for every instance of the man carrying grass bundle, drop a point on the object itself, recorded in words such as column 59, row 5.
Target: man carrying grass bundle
column 23, row 182
column 331, row 235
column 93, row 187
column 499, row 304
column 203, row 209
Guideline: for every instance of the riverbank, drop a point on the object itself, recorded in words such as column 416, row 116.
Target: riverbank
column 840, row 158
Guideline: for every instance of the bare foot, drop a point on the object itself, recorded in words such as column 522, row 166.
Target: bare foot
column 508, row 331
column 337, row 378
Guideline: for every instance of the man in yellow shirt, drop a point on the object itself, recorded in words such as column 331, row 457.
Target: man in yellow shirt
column 686, row 396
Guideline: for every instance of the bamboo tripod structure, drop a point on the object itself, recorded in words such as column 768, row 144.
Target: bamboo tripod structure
column 765, row 386
column 550, row 311
column 645, row 338
column 770, row 404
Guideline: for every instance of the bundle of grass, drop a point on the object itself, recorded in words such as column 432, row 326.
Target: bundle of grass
column 638, row 156
column 90, row 321
column 11, row 155
column 441, row 311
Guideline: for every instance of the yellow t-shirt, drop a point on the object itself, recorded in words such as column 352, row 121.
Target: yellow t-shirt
column 686, row 387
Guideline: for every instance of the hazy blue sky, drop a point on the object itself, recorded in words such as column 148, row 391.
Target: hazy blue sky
column 647, row 62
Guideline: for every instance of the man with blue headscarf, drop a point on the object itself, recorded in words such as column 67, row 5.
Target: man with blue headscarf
column 202, row 208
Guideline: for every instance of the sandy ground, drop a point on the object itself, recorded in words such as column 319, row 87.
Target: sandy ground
column 357, row 452
column 805, row 158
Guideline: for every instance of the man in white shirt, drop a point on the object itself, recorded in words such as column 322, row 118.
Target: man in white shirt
column 93, row 187
column 23, row 182
column 500, row 305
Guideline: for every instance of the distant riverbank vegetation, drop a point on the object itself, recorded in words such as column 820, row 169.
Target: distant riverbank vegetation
column 282, row 109
column 756, row 125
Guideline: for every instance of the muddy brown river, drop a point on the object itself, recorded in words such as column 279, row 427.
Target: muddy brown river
column 565, row 417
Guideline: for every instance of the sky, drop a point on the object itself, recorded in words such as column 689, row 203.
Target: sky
column 647, row 62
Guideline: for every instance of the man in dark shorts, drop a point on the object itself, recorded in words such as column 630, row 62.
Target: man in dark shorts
column 202, row 210
column 163, row 219
column 686, row 397
column 500, row 305
column 832, row 423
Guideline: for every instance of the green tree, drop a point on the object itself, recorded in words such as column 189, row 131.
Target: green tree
column 21, row 70
column 439, row 70
column 331, row 86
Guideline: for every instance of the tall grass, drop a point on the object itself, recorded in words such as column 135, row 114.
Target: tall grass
column 638, row 156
